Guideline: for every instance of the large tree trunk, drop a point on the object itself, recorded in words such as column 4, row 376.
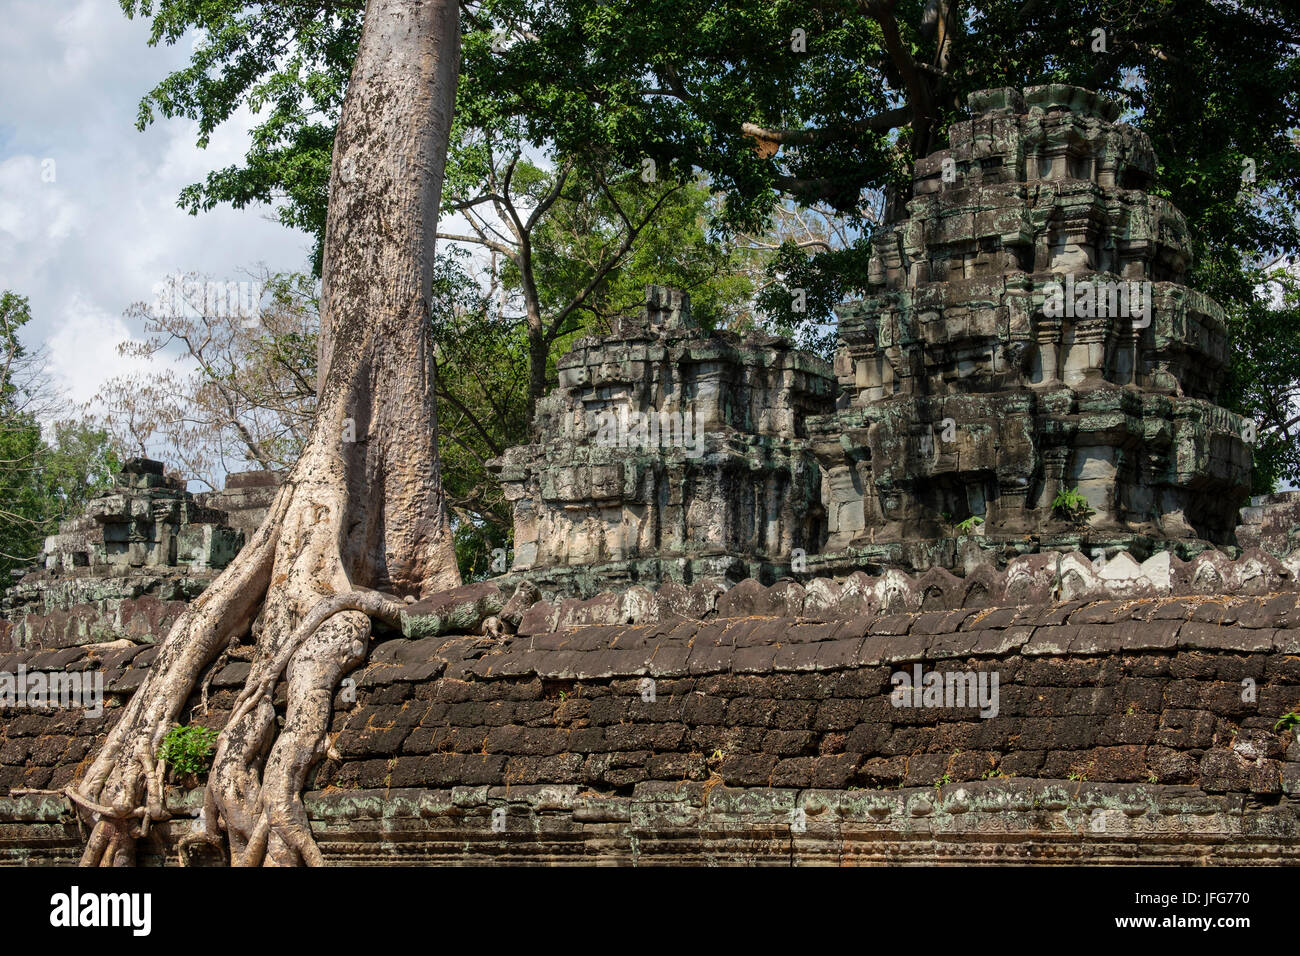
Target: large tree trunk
column 360, row 523
column 539, row 351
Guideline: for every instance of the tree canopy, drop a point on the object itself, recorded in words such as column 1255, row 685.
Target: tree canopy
column 697, row 84
column 781, row 104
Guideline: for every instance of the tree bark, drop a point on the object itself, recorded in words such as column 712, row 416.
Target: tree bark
column 539, row 349
column 361, row 521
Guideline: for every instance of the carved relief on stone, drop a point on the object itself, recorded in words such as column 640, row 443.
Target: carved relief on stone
column 1026, row 332
column 670, row 452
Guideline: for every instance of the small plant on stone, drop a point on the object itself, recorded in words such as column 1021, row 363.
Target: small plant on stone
column 1152, row 778
column 969, row 525
column 945, row 779
column 1286, row 722
column 188, row 750
column 1071, row 505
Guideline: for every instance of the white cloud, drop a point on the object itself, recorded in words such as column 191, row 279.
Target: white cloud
column 100, row 236
column 84, row 345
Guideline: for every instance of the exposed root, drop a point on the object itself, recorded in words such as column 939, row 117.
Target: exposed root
column 325, row 658
column 371, row 603
column 116, row 777
column 254, row 788
column 213, row 670
column 112, row 813
column 183, row 845
column 280, row 833
column 331, row 641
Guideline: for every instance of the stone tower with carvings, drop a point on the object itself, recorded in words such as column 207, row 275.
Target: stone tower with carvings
column 1027, row 332
column 1028, row 373
column 669, row 452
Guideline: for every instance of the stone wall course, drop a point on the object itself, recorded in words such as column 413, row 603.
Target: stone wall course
column 1086, row 703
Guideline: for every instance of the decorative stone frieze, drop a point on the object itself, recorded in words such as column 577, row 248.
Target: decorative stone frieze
column 669, row 452
column 1027, row 333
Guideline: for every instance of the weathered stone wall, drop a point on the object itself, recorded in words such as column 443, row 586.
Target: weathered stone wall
column 245, row 499
column 148, row 520
column 1140, row 730
column 1019, row 821
column 48, row 611
column 127, row 567
column 1271, row 523
column 669, row 452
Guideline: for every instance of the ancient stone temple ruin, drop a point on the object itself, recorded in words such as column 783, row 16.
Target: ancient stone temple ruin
column 727, row 552
column 1027, row 332
column 244, row 499
column 127, row 567
column 148, row 520
column 669, row 453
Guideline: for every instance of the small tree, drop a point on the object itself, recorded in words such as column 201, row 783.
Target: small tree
column 1265, row 377
column 230, row 388
column 562, row 244
column 41, row 482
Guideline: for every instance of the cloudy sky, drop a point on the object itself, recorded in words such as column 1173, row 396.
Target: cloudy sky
column 106, row 230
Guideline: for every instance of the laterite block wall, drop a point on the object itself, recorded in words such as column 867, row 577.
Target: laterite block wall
column 1131, row 731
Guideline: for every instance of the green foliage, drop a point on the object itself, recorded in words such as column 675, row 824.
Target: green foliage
column 188, row 749
column 23, row 518
column 969, row 525
column 590, row 218
column 20, row 444
column 622, row 82
column 80, row 463
column 1286, row 722
column 1069, row 499
column 1265, row 377
column 482, row 388
column 809, row 289
column 1072, row 505
column 42, row 480
column 15, row 312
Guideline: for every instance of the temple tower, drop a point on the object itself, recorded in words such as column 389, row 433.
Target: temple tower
column 670, row 452
column 1027, row 335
